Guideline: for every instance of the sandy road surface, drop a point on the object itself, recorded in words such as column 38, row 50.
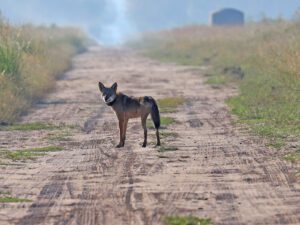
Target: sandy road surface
column 218, row 171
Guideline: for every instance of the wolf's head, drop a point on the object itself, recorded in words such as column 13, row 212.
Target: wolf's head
column 109, row 95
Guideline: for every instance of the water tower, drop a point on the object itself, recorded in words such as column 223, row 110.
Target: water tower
column 227, row 17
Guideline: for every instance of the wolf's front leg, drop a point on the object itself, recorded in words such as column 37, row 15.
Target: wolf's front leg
column 121, row 129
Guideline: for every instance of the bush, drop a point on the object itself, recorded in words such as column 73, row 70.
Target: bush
column 31, row 58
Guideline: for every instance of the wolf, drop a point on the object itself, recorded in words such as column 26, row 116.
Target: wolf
column 126, row 107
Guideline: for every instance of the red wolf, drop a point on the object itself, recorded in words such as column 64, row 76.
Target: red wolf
column 126, row 107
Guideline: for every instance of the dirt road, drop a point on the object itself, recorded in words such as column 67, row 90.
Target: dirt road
column 218, row 171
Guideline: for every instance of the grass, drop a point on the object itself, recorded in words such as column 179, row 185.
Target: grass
column 36, row 126
column 217, row 80
column 163, row 157
column 31, row 59
column 29, row 127
column 62, row 136
column 168, row 135
column 4, row 193
column 293, row 157
column 169, row 104
column 31, row 153
column 164, row 148
column 262, row 57
column 47, row 149
column 164, row 122
column 186, row 220
column 13, row 200
column 276, row 143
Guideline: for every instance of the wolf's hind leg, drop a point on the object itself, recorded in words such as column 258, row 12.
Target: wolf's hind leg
column 144, row 120
column 157, row 137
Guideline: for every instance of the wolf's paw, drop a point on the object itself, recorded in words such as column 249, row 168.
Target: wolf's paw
column 120, row 146
column 144, row 145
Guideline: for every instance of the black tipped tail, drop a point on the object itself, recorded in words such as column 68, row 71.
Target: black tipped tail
column 155, row 116
column 154, row 112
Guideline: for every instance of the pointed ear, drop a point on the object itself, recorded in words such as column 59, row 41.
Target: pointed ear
column 114, row 86
column 101, row 87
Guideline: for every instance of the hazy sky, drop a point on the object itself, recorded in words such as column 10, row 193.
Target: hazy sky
column 111, row 21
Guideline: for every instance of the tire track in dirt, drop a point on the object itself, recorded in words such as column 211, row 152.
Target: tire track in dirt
column 38, row 211
column 219, row 171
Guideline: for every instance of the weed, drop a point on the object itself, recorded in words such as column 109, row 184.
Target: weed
column 186, row 220
column 31, row 153
column 63, row 136
column 29, row 127
column 168, row 135
column 169, row 104
column 4, row 193
column 217, row 80
column 292, row 157
column 13, row 200
column 163, row 157
column 277, row 143
column 21, row 155
column 47, row 149
column 164, row 122
column 167, row 148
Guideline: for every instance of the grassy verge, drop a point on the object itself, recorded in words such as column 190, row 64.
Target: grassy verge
column 263, row 59
column 31, row 58
column 186, row 220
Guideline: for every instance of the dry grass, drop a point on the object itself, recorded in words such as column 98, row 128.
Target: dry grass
column 31, row 58
column 267, row 53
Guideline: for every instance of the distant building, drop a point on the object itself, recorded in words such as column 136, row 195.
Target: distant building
column 227, row 17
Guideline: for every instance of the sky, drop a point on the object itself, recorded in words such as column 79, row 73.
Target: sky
column 113, row 21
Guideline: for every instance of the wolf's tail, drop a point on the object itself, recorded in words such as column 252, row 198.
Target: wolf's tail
column 154, row 112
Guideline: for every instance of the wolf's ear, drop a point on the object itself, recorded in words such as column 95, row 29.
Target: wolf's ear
column 101, row 87
column 114, row 86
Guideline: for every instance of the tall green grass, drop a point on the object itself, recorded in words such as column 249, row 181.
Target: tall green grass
column 31, row 58
column 268, row 55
